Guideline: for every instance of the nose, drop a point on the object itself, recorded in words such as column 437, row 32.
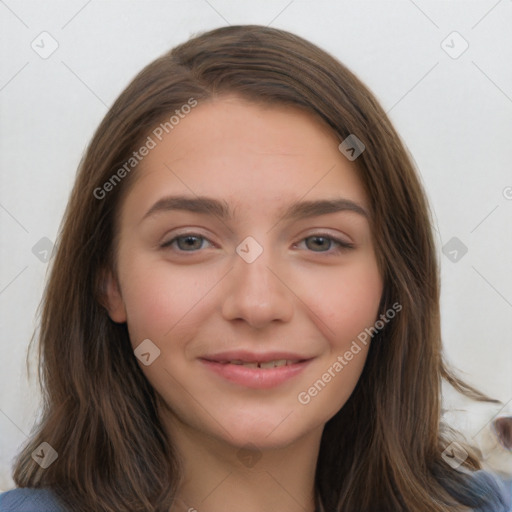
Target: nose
column 256, row 292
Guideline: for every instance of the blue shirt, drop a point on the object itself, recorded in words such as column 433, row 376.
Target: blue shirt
column 43, row 500
column 29, row 500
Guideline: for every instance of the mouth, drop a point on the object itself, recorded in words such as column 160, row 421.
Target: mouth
column 256, row 371
column 265, row 365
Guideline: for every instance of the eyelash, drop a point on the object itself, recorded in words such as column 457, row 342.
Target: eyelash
column 341, row 245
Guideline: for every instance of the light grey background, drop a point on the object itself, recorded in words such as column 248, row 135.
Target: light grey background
column 454, row 115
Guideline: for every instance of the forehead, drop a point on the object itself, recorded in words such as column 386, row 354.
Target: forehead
column 275, row 128
column 255, row 156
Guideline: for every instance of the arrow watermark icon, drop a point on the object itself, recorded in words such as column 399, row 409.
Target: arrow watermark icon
column 146, row 352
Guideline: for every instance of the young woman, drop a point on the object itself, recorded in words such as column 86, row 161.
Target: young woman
column 243, row 310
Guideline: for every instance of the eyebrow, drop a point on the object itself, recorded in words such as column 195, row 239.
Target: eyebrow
column 295, row 211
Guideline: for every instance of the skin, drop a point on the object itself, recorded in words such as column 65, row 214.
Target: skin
column 299, row 295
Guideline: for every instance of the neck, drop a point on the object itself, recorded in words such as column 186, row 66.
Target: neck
column 220, row 477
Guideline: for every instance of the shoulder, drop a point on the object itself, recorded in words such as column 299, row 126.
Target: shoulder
column 496, row 488
column 29, row 500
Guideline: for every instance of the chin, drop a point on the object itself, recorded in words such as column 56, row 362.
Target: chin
column 250, row 436
column 266, row 430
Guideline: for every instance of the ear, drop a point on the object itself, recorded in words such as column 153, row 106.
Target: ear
column 112, row 299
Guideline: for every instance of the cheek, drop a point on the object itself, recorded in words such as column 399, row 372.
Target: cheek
column 345, row 311
column 343, row 301
column 324, row 395
column 159, row 298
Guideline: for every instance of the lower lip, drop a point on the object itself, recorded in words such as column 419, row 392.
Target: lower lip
column 256, row 378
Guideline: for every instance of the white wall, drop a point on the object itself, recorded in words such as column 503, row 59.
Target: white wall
column 454, row 114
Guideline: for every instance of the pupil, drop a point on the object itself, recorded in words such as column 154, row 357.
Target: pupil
column 191, row 242
column 318, row 241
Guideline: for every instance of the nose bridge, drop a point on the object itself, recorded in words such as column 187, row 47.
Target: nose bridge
column 256, row 295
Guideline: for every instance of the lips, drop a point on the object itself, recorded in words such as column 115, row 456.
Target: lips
column 257, row 371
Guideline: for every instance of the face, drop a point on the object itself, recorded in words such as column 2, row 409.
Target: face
column 245, row 257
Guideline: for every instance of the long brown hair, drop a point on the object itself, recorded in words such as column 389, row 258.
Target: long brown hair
column 99, row 412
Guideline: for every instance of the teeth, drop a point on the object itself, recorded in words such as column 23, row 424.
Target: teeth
column 265, row 365
column 273, row 364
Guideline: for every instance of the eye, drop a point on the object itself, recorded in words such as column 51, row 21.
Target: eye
column 188, row 242
column 324, row 243
column 191, row 242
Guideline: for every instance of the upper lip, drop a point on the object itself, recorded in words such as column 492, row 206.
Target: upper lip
column 251, row 357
